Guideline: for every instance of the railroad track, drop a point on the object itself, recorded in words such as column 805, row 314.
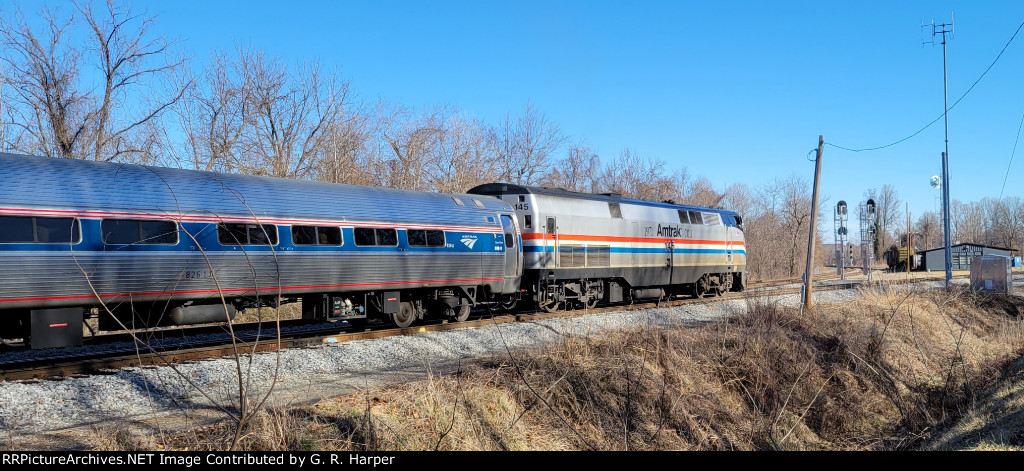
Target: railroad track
column 216, row 342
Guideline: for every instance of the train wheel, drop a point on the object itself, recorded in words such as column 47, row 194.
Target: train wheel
column 405, row 315
column 550, row 306
column 592, row 302
column 701, row 288
column 508, row 304
column 462, row 313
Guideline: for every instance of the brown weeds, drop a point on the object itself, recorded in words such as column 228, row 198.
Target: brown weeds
column 882, row 372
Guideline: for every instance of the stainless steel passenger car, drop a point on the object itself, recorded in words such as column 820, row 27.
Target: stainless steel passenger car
column 582, row 248
column 140, row 245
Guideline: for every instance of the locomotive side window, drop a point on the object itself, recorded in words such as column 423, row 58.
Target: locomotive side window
column 246, row 234
column 370, row 236
column 695, row 217
column 316, row 235
column 421, row 238
column 136, row 231
column 712, row 219
column 683, row 217
column 39, row 230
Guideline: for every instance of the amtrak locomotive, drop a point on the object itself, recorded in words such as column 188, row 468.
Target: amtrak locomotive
column 581, row 249
column 139, row 246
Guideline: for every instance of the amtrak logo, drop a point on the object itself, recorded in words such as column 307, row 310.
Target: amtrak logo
column 470, row 241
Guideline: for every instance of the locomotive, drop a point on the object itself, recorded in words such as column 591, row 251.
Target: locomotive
column 142, row 246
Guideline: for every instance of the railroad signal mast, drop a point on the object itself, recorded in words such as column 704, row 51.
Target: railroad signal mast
column 839, row 222
column 867, row 235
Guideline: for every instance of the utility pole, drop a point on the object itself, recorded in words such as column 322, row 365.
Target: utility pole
column 910, row 254
column 812, row 233
column 936, row 30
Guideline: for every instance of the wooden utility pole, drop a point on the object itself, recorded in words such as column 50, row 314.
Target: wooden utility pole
column 909, row 254
column 813, row 232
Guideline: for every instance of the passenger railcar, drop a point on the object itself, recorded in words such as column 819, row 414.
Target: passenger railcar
column 156, row 246
column 581, row 249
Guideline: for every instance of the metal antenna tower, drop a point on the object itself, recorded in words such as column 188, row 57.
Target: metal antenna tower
column 943, row 29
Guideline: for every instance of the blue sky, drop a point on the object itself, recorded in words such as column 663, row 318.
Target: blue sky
column 734, row 91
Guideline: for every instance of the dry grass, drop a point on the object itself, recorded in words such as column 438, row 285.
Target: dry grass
column 884, row 372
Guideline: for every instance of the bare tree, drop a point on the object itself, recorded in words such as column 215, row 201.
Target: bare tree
column 408, row 140
column 577, row 171
column 634, row 176
column 463, row 157
column 128, row 59
column 789, row 202
column 740, row 198
column 525, row 144
column 702, row 192
column 42, row 72
column 345, row 156
column 1004, row 221
column 62, row 112
column 967, row 221
column 930, row 229
column 292, row 116
column 887, row 213
column 216, row 112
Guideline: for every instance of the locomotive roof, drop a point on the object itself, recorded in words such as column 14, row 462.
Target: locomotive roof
column 43, row 182
column 498, row 189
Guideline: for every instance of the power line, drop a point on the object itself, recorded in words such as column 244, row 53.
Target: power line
column 947, row 110
column 1011, row 157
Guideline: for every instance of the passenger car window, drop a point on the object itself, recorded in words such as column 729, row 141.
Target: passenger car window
column 39, row 230
column 369, row 236
column 424, row 238
column 137, row 231
column 246, row 234
column 316, row 235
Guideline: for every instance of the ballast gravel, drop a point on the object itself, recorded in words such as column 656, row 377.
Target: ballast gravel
column 205, row 389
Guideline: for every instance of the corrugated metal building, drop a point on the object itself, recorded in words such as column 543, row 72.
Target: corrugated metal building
column 934, row 259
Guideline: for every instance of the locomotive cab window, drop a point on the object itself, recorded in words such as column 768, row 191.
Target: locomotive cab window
column 370, row 236
column 137, row 231
column 316, row 235
column 39, row 230
column 695, row 217
column 246, row 234
column 683, row 217
column 422, row 238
